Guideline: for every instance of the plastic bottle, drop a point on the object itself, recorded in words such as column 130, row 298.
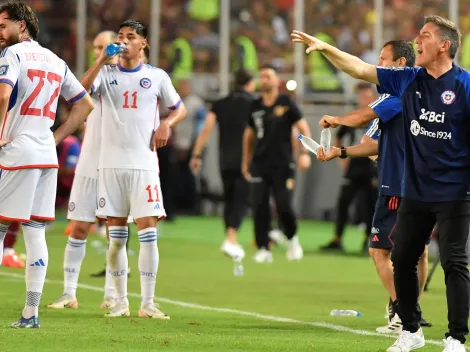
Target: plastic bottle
column 113, row 49
column 238, row 268
column 325, row 139
column 344, row 313
column 309, row 143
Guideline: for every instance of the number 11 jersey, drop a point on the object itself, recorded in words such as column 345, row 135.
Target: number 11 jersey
column 37, row 77
column 130, row 101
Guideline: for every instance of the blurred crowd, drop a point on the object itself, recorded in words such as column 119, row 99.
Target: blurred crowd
column 260, row 34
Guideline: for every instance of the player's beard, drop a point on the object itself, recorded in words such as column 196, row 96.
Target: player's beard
column 12, row 40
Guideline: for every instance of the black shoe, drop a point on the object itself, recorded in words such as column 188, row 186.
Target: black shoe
column 332, row 246
column 99, row 274
column 424, row 323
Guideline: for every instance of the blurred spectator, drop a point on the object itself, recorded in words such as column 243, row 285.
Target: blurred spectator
column 185, row 135
column 68, row 152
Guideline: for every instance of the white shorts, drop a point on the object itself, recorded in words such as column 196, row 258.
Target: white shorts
column 27, row 194
column 83, row 201
column 124, row 192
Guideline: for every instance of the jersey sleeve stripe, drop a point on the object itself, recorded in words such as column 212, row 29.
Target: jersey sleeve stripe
column 93, row 89
column 378, row 101
column 77, row 97
column 4, row 51
column 176, row 106
column 7, row 81
column 373, row 128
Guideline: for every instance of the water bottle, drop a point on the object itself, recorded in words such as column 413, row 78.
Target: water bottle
column 344, row 313
column 238, row 267
column 325, row 139
column 115, row 48
column 309, row 143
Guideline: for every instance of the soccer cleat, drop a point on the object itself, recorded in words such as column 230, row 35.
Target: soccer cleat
column 233, row 250
column 119, row 310
column 151, row 311
column 294, row 249
column 453, row 345
column 394, row 326
column 12, row 261
column 332, row 246
column 64, row 301
column 408, row 341
column 425, row 324
column 277, row 236
column 23, row 323
column 108, row 303
column 263, row 256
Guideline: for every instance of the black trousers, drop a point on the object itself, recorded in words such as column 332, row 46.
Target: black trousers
column 279, row 183
column 414, row 225
column 167, row 177
column 367, row 194
column 236, row 190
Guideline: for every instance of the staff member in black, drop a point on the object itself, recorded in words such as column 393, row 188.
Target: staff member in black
column 231, row 114
column 267, row 147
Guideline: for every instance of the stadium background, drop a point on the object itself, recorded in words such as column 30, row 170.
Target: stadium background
column 192, row 270
column 211, row 31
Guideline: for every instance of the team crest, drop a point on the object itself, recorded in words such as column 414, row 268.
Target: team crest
column 71, row 206
column 280, row 110
column 448, row 97
column 3, row 70
column 145, row 83
column 102, row 202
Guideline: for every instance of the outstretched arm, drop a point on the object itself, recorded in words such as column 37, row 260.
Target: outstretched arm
column 350, row 64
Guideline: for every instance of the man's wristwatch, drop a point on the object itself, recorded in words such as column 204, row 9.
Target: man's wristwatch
column 196, row 157
column 343, row 153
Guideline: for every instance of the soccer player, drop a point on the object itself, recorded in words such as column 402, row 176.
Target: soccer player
column 83, row 202
column 231, row 114
column 435, row 99
column 385, row 117
column 31, row 79
column 267, row 147
column 128, row 165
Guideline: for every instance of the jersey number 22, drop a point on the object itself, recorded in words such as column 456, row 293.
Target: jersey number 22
column 51, row 77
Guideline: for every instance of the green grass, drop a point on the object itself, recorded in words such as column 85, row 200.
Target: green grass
column 193, row 270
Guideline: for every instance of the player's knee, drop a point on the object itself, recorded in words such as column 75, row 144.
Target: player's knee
column 80, row 230
column 379, row 255
column 456, row 264
column 146, row 222
column 402, row 258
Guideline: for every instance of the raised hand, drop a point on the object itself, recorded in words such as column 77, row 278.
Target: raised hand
column 313, row 44
column 328, row 121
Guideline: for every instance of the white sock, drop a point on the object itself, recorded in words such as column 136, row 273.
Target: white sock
column 117, row 261
column 148, row 263
column 73, row 258
column 109, row 290
column 3, row 231
column 37, row 258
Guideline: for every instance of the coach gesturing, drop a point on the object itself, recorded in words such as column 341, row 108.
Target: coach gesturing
column 436, row 114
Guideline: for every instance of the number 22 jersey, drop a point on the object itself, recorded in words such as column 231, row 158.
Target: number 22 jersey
column 130, row 101
column 37, row 77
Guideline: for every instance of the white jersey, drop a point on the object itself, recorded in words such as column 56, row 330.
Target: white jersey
column 130, row 114
column 37, row 77
column 90, row 151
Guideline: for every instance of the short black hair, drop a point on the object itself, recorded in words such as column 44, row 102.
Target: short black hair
column 242, row 77
column 268, row 67
column 402, row 48
column 139, row 27
column 19, row 11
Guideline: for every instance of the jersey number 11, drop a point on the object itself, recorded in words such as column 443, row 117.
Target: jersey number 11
column 126, row 101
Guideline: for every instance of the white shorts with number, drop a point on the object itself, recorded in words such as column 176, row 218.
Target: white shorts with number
column 83, row 202
column 127, row 191
column 27, row 194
